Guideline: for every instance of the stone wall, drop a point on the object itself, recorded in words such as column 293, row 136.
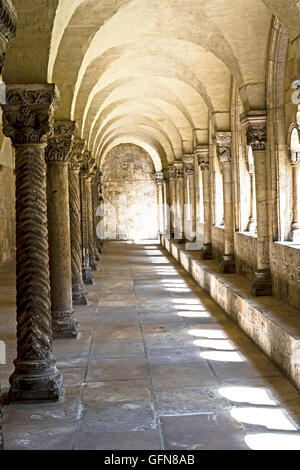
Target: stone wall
column 130, row 194
column 285, row 267
column 7, row 203
column 218, row 242
column 245, row 247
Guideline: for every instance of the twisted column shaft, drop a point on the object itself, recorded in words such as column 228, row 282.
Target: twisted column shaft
column 78, row 293
column 90, row 225
column 27, row 120
column 57, row 158
column 86, row 269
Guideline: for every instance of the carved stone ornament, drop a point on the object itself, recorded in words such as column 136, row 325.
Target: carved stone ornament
column 202, row 154
column 60, row 143
column 256, row 129
column 76, row 154
column 179, row 170
column 159, row 177
column 189, row 164
column 222, row 141
column 8, row 19
column 166, row 174
column 88, row 166
column 172, row 172
column 28, row 113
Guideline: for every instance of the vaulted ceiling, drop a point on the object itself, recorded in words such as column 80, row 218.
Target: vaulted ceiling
column 148, row 72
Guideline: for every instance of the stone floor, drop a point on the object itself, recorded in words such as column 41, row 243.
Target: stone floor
column 157, row 366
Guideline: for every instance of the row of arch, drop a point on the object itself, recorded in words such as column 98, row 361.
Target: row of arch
column 147, row 72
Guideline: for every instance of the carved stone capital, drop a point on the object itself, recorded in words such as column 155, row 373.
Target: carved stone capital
column 76, row 154
column 179, row 170
column 88, row 165
column 202, row 154
column 256, row 129
column 189, row 164
column 159, row 176
column 60, row 142
column 28, row 113
column 8, row 19
column 166, row 175
column 222, row 141
column 172, row 173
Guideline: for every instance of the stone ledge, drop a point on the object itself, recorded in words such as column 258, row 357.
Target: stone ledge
column 270, row 323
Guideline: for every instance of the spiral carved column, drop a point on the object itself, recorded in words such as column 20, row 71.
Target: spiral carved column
column 78, row 292
column 7, row 33
column 57, row 158
column 84, row 172
column 91, row 222
column 96, row 200
column 27, row 120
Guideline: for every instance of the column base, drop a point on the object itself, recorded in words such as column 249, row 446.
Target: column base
column 87, row 276
column 262, row 285
column 228, row 265
column 35, row 381
column 63, row 325
column 206, row 253
column 79, row 297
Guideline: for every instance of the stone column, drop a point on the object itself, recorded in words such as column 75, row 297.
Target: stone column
column 97, row 199
column 295, row 232
column 27, row 120
column 57, row 158
column 79, row 295
column 202, row 154
column 252, row 219
column 190, row 202
column 179, row 232
column 90, row 215
column 256, row 129
column 159, row 181
column 172, row 192
column 83, row 175
column 7, row 33
column 166, row 194
column 223, row 144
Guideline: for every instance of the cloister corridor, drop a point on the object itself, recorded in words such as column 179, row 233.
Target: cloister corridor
column 157, row 365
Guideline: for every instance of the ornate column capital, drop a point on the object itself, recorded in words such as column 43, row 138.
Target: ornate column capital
column 189, row 164
column 8, row 22
column 28, row 113
column 165, row 175
column 60, row 142
column 159, row 177
column 202, row 154
column 172, row 173
column 222, row 141
column 76, row 156
column 256, row 129
column 88, row 166
column 179, row 170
